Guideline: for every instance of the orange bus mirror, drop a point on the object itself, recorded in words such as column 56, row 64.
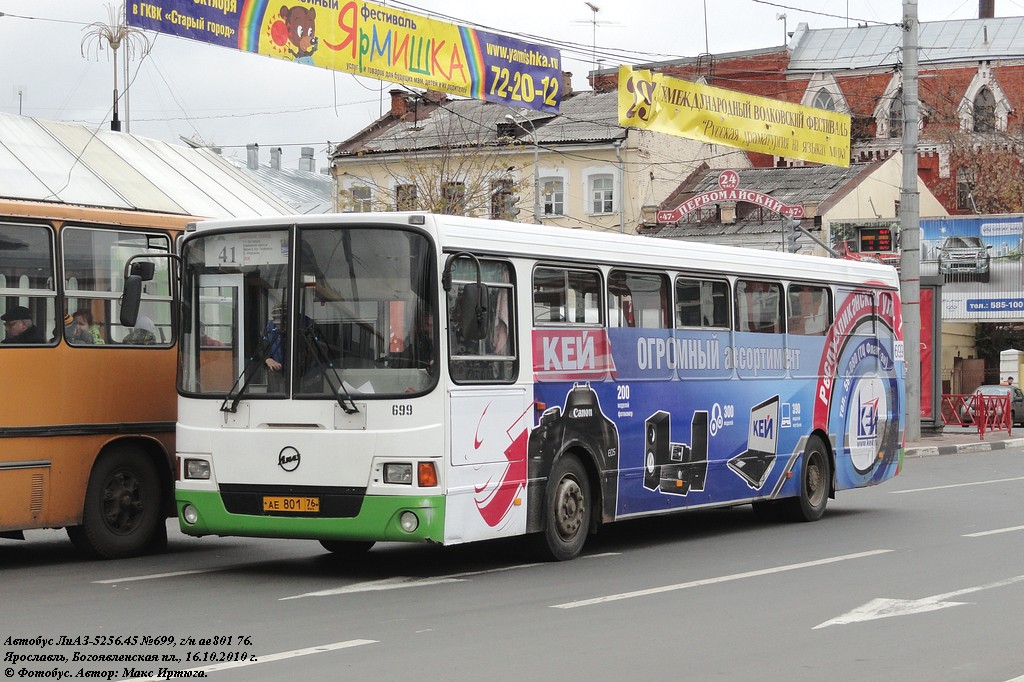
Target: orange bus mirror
column 131, row 299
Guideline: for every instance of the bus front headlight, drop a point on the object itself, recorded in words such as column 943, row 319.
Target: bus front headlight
column 398, row 472
column 197, row 469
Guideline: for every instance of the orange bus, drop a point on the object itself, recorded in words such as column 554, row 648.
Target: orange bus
column 87, row 407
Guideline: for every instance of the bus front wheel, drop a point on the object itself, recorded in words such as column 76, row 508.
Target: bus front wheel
column 815, row 481
column 567, row 509
column 123, row 514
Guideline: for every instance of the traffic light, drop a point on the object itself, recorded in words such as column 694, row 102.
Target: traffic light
column 792, row 235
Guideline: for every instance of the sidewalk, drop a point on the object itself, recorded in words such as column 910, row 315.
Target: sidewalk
column 955, row 440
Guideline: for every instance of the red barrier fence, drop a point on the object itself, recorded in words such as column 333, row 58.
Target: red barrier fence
column 985, row 412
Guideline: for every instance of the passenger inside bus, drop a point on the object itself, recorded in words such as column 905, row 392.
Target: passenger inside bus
column 82, row 330
column 143, row 334
column 19, row 326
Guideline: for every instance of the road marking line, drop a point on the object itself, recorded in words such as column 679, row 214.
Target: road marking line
column 956, row 485
column 269, row 658
column 398, row 582
column 715, row 581
column 888, row 608
column 993, row 532
column 155, row 576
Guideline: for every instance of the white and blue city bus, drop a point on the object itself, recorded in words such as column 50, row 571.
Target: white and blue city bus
column 427, row 378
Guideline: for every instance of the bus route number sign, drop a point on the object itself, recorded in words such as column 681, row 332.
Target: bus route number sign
column 263, row 248
column 301, row 505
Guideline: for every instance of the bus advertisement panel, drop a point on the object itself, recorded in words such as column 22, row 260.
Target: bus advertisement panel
column 406, row 377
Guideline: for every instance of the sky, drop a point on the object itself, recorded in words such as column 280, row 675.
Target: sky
column 224, row 97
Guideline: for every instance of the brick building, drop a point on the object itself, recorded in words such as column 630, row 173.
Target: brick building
column 971, row 92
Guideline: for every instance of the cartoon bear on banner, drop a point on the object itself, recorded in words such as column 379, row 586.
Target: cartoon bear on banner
column 299, row 29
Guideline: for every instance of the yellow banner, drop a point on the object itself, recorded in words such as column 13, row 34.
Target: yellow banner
column 653, row 101
column 368, row 39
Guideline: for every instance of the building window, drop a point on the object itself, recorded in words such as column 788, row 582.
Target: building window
column 824, row 100
column 553, row 196
column 359, row 199
column 965, row 190
column 896, row 115
column 405, row 197
column 453, row 198
column 503, row 201
column 602, row 194
column 984, row 111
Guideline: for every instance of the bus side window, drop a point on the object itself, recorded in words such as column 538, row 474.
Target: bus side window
column 810, row 310
column 638, row 300
column 702, row 303
column 759, row 307
column 27, row 281
column 566, row 296
column 492, row 358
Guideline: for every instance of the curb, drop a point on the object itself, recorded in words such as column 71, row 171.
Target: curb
column 964, row 448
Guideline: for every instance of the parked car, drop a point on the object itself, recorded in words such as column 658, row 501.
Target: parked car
column 963, row 257
column 1016, row 402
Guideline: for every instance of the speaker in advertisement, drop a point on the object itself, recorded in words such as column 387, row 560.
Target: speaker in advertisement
column 657, row 438
column 687, row 468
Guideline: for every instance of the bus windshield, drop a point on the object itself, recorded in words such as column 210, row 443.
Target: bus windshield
column 349, row 311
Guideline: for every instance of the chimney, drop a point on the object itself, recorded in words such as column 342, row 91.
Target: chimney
column 275, row 158
column 399, row 103
column 306, row 161
column 252, row 156
column 986, row 9
column 566, row 84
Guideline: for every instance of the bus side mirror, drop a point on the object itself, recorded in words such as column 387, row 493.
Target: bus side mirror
column 145, row 270
column 131, row 299
column 474, row 322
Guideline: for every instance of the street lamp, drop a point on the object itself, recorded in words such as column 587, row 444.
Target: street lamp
column 781, row 16
column 536, row 165
column 115, row 33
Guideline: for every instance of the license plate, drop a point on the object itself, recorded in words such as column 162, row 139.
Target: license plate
column 307, row 505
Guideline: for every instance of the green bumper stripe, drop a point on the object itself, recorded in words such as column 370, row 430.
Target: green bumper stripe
column 377, row 520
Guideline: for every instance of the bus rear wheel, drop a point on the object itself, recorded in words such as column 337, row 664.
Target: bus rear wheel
column 815, row 481
column 347, row 547
column 123, row 514
column 567, row 509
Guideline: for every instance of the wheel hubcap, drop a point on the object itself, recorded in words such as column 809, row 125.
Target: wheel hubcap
column 570, row 508
column 815, row 484
column 122, row 504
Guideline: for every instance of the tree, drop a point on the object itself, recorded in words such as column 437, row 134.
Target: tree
column 986, row 173
column 448, row 162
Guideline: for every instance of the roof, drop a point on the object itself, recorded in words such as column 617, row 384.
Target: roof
column 865, row 47
column 583, row 118
column 67, row 163
column 305, row 191
column 795, row 185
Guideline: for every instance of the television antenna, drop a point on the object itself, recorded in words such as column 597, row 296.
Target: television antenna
column 595, row 63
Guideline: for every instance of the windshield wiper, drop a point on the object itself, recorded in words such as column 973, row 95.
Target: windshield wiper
column 341, row 394
column 230, row 403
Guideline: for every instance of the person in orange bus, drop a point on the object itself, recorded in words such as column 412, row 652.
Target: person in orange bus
column 82, row 330
column 19, row 326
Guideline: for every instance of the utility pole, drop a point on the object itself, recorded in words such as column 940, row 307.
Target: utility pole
column 910, row 225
